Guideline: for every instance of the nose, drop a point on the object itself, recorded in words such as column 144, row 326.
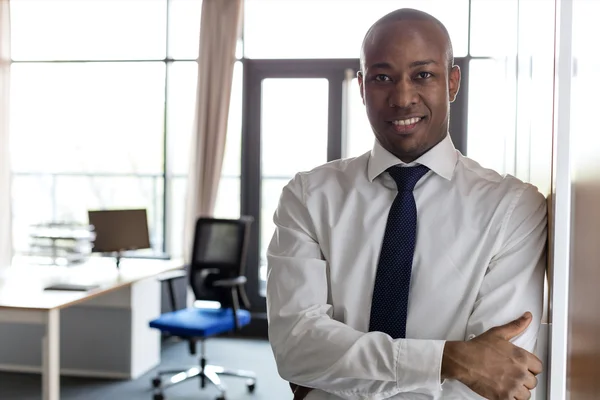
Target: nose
column 403, row 94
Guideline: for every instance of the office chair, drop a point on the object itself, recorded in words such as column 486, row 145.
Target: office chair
column 216, row 273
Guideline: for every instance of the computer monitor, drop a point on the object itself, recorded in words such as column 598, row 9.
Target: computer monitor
column 119, row 231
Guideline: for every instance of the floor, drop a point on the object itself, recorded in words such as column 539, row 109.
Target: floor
column 248, row 354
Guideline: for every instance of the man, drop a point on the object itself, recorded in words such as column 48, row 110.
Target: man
column 410, row 272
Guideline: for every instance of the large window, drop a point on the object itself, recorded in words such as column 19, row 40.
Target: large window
column 102, row 108
column 104, row 93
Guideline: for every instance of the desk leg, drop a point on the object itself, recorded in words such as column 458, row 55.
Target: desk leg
column 51, row 357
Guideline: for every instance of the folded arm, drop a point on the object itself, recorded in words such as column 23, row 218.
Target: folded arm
column 499, row 343
column 514, row 282
column 310, row 347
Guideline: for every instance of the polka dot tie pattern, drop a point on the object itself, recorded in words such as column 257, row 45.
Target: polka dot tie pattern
column 389, row 308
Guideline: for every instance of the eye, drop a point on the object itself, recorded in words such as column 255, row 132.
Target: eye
column 424, row 75
column 381, row 78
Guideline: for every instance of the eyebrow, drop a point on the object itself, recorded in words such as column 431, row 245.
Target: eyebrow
column 381, row 65
column 420, row 63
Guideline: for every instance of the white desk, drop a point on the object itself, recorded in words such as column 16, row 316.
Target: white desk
column 133, row 287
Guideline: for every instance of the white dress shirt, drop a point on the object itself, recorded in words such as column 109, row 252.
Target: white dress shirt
column 479, row 262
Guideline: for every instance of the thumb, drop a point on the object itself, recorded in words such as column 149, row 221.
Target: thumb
column 514, row 328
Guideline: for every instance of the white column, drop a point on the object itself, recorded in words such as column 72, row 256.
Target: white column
column 5, row 176
column 560, row 270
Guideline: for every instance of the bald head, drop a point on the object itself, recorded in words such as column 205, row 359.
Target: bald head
column 406, row 14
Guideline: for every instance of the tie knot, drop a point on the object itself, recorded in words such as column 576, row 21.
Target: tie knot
column 407, row 177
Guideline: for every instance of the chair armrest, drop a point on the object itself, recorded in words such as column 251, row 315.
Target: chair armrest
column 235, row 285
column 240, row 280
column 169, row 276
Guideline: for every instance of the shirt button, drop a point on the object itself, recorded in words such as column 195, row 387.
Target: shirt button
column 471, row 336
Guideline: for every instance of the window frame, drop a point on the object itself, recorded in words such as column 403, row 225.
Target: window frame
column 165, row 176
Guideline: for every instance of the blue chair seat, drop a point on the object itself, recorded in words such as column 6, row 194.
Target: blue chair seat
column 199, row 322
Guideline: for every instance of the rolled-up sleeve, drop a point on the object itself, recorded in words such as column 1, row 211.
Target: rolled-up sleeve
column 310, row 347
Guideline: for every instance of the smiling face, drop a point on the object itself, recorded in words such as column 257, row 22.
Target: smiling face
column 407, row 85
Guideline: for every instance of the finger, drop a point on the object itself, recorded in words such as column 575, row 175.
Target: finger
column 530, row 382
column 534, row 364
column 514, row 328
column 523, row 394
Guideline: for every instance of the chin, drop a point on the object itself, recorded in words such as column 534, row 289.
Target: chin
column 407, row 156
column 408, row 152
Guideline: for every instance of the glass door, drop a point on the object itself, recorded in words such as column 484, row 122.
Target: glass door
column 294, row 122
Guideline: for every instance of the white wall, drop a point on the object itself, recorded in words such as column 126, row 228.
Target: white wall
column 5, row 210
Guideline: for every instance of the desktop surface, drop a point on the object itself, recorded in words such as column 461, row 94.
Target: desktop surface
column 23, row 284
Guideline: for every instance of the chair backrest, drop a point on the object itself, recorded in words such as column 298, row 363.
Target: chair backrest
column 219, row 252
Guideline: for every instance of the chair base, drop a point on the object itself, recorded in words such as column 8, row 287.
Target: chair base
column 205, row 372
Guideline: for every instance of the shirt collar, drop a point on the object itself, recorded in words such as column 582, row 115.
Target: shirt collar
column 441, row 159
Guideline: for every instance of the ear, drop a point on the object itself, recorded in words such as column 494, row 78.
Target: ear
column 361, row 83
column 453, row 83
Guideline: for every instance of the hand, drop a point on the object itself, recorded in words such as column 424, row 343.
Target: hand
column 492, row 366
column 300, row 392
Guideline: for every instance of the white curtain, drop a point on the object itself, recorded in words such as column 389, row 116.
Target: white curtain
column 219, row 32
column 5, row 192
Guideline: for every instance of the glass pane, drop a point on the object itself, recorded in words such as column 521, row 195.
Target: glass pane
column 88, row 30
column 293, row 125
column 184, row 28
column 32, row 203
column 271, row 191
column 77, row 194
column 360, row 137
column 176, row 215
column 228, row 198
column 492, row 98
column 488, row 19
column 535, row 89
column 180, row 113
column 278, row 29
column 89, row 117
column 66, row 198
column 293, row 139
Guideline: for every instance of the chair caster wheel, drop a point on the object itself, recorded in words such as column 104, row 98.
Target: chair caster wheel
column 159, row 396
column 251, row 387
column 156, row 382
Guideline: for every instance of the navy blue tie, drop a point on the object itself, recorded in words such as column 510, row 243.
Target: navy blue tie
column 389, row 308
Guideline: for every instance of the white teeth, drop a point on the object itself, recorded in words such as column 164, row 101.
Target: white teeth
column 404, row 122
